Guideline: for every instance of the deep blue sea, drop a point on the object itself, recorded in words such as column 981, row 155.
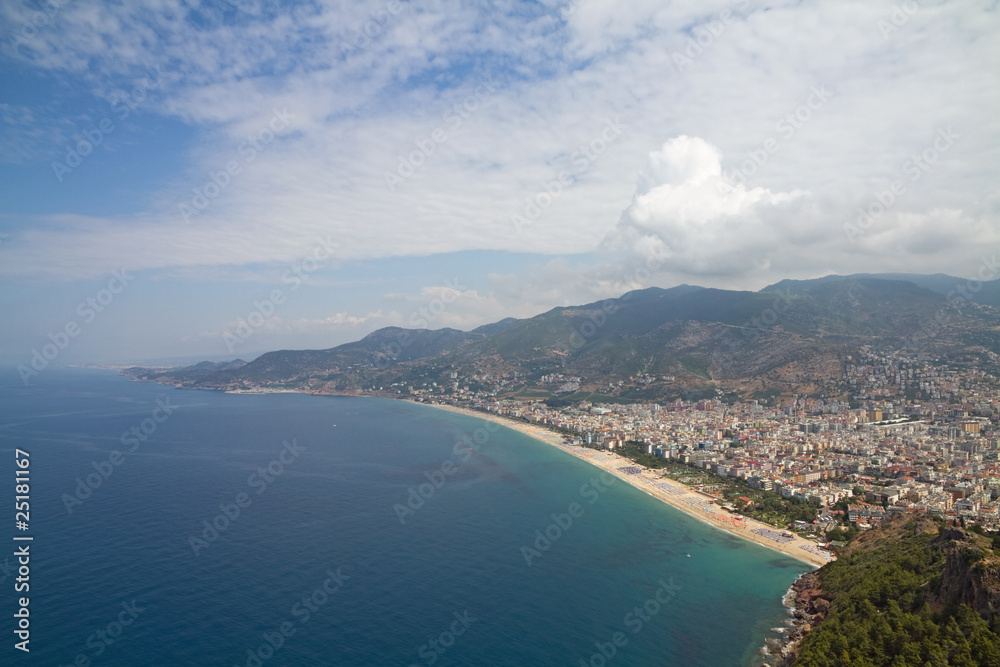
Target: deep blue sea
column 140, row 558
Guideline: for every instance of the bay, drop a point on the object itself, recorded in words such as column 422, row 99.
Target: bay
column 375, row 532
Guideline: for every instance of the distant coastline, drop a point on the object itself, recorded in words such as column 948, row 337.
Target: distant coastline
column 645, row 482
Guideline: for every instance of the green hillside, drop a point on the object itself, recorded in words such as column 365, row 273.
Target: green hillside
column 912, row 593
column 687, row 340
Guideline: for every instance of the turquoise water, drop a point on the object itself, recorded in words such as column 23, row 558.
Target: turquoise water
column 318, row 549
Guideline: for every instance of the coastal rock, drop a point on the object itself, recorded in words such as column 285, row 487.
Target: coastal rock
column 820, row 606
column 809, row 607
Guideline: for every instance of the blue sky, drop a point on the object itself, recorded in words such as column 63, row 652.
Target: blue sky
column 471, row 161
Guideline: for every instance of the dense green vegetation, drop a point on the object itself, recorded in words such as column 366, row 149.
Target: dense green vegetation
column 842, row 533
column 886, row 608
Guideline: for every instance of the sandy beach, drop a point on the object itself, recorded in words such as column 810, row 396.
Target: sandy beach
column 673, row 493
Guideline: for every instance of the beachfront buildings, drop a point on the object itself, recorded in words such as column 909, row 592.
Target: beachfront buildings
column 918, row 435
column 894, row 463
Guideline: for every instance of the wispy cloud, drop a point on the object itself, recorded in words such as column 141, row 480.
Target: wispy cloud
column 367, row 84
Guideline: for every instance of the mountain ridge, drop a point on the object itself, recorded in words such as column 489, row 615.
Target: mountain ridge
column 790, row 337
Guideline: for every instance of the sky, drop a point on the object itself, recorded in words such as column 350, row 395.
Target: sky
column 217, row 179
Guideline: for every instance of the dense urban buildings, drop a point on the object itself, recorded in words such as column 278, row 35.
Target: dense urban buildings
column 916, row 435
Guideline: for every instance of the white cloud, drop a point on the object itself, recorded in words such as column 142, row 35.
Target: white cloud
column 357, row 111
column 451, row 305
column 24, row 135
column 688, row 214
column 333, row 323
column 339, row 326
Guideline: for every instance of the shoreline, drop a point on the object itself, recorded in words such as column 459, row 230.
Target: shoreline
column 646, row 481
column 681, row 497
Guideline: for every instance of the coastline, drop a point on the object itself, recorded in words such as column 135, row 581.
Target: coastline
column 680, row 497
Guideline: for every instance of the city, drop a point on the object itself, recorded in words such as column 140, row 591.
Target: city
column 935, row 452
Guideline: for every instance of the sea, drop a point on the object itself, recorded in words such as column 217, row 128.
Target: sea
column 181, row 527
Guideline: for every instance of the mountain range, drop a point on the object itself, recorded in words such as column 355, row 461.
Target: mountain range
column 650, row 344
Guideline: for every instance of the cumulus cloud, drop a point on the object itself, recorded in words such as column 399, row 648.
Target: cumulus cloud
column 686, row 213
